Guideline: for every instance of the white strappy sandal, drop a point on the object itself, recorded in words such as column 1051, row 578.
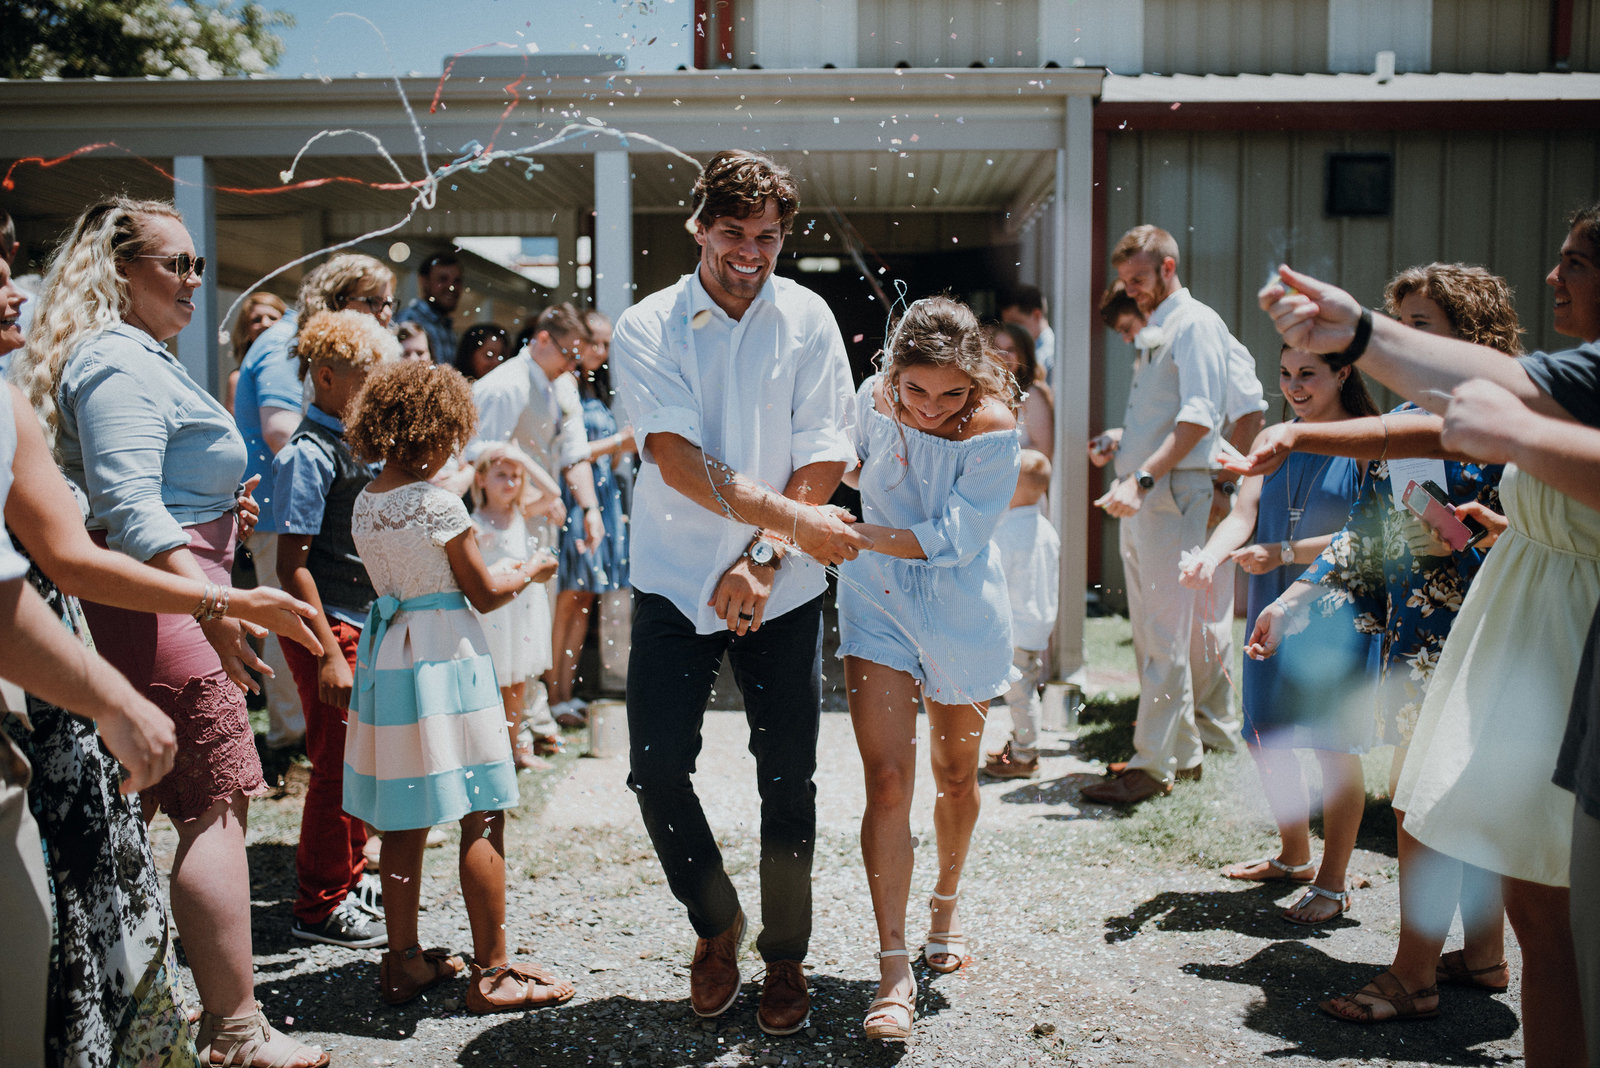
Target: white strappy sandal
column 951, row 945
column 889, row 1019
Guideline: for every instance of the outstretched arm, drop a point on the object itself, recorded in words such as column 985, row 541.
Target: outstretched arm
column 1421, row 367
column 1495, row 426
column 44, row 658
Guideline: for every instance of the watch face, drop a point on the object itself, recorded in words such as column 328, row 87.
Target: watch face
column 761, row 553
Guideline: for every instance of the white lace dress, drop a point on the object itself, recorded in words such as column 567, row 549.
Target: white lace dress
column 519, row 634
column 426, row 741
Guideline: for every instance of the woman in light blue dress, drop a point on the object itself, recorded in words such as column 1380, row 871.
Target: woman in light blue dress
column 924, row 618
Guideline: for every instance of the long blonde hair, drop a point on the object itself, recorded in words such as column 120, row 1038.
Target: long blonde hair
column 84, row 294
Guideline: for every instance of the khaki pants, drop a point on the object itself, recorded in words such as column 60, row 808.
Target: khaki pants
column 25, row 978
column 1171, row 519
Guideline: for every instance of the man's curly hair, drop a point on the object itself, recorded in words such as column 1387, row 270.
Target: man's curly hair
column 409, row 412
column 737, row 183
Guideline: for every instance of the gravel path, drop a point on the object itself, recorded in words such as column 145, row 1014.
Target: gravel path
column 1081, row 956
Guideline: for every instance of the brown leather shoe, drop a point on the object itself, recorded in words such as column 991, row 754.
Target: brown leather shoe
column 785, row 1001
column 1129, row 788
column 714, row 972
column 510, row 987
column 1117, row 767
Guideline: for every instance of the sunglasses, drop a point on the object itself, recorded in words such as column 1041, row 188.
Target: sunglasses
column 375, row 305
column 182, row 264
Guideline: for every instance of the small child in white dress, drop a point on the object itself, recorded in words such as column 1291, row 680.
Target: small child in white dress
column 507, row 487
column 426, row 741
column 1030, row 555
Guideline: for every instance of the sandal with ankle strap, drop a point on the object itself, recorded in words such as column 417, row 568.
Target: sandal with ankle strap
column 509, row 987
column 890, row 1019
column 948, row 944
column 1276, row 871
column 1453, row 971
column 1385, row 988
column 1312, row 892
column 397, row 988
column 250, row 1042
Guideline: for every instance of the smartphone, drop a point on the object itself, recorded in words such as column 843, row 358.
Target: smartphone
column 1430, row 504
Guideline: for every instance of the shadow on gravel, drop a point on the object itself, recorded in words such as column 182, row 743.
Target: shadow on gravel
column 625, row 1031
column 1068, row 791
column 1293, row 977
column 1253, row 911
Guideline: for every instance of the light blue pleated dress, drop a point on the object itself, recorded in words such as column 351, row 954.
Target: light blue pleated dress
column 426, row 741
column 945, row 620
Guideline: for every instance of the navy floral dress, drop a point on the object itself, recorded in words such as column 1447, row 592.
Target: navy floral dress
column 1410, row 601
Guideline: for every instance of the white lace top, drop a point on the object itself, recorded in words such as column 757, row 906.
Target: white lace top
column 401, row 535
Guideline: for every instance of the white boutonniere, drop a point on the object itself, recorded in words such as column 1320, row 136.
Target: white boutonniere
column 1149, row 339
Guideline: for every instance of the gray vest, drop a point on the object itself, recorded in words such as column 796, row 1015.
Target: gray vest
column 334, row 564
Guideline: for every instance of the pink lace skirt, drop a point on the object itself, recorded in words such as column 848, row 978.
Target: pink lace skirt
column 169, row 659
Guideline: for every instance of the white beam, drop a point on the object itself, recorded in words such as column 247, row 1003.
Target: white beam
column 613, row 233
column 1072, row 304
column 199, row 342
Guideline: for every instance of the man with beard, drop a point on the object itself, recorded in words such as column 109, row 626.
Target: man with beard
column 1176, row 409
column 439, row 282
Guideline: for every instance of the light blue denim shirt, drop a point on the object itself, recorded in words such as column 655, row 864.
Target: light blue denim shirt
column 152, row 451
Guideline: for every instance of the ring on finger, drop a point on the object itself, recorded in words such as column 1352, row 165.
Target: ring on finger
column 747, row 616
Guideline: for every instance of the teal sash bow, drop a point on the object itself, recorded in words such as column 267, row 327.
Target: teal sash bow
column 379, row 615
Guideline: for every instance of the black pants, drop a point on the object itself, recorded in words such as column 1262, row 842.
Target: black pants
column 671, row 670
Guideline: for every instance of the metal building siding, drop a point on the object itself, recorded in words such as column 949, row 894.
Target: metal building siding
column 1471, row 36
column 1235, row 36
column 947, row 33
column 1237, row 203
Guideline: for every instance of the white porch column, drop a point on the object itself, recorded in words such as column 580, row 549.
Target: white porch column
column 613, row 234
column 198, row 344
column 566, row 232
column 1073, row 303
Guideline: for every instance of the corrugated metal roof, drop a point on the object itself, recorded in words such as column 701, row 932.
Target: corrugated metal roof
column 1346, row 88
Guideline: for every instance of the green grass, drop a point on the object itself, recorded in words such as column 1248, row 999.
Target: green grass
column 1224, row 817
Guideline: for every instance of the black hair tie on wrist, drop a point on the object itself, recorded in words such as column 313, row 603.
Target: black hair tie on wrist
column 1358, row 344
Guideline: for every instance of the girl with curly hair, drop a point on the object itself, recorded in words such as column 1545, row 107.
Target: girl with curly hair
column 924, row 618
column 160, row 462
column 426, row 741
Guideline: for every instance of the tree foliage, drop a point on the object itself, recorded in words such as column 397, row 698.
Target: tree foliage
column 137, row 38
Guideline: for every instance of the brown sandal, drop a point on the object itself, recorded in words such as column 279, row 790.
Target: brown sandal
column 397, row 988
column 249, row 1041
column 1453, row 971
column 1384, row 989
column 510, row 987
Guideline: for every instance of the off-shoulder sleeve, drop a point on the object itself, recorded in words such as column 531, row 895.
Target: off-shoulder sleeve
column 981, row 493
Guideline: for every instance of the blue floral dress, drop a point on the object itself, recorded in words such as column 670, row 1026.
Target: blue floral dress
column 1410, row 601
column 605, row 567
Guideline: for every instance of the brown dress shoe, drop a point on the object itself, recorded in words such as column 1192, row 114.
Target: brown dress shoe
column 1129, row 788
column 1117, row 767
column 1005, row 765
column 714, row 972
column 785, row 1001
column 510, row 987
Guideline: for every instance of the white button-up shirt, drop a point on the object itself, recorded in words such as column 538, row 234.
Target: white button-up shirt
column 766, row 395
